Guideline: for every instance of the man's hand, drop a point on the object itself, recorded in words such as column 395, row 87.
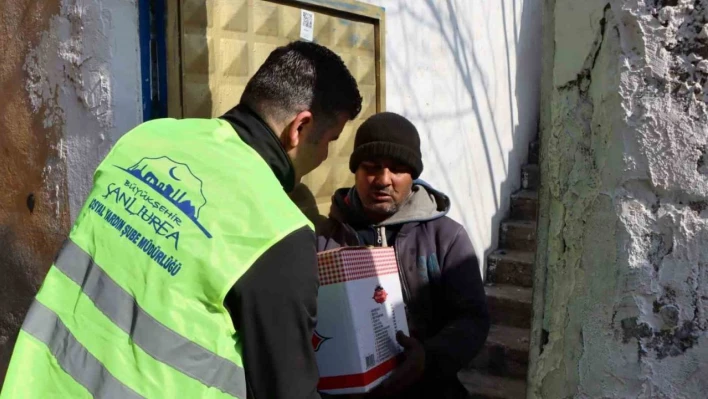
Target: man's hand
column 408, row 372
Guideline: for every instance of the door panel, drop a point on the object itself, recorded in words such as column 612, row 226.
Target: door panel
column 223, row 42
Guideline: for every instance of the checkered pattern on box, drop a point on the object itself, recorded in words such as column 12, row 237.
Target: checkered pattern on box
column 354, row 264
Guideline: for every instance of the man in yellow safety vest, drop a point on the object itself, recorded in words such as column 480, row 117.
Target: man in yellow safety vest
column 189, row 272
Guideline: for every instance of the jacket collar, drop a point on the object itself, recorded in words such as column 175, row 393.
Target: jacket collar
column 254, row 131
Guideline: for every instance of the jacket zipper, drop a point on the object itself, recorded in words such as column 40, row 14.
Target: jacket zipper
column 381, row 236
column 404, row 280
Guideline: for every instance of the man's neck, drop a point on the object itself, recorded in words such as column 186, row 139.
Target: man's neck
column 255, row 132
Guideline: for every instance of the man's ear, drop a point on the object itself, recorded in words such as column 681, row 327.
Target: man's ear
column 293, row 132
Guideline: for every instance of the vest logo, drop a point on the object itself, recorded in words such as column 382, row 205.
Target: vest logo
column 318, row 340
column 380, row 294
column 175, row 182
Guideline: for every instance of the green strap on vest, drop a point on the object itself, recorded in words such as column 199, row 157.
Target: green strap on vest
column 133, row 305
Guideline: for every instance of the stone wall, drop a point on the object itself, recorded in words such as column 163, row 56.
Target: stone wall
column 621, row 283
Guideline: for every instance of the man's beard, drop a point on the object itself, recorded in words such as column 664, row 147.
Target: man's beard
column 388, row 210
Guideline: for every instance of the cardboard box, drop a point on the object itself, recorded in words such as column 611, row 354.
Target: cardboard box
column 360, row 308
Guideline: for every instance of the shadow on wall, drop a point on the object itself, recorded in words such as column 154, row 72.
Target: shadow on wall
column 504, row 121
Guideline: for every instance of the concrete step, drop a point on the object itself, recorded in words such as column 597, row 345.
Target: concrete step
column 524, row 205
column 518, row 235
column 481, row 385
column 505, row 353
column 510, row 267
column 509, row 305
column 534, row 150
column 530, row 177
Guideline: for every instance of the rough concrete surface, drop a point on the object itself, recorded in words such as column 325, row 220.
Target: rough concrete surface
column 33, row 212
column 61, row 111
column 621, row 300
column 85, row 72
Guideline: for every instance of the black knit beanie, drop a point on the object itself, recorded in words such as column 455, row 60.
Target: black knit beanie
column 387, row 135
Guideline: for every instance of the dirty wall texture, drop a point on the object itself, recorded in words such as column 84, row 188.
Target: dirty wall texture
column 621, row 286
column 33, row 218
column 69, row 76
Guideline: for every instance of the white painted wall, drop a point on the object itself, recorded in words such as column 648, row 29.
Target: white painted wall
column 621, row 300
column 467, row 73
column 85, row 76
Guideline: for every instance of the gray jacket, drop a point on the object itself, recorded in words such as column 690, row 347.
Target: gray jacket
column 442, row 286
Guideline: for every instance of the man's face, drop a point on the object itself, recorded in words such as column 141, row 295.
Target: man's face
column 383, row 185
column 314, row 147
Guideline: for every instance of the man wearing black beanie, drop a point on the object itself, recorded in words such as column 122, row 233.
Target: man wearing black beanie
column 442, row 287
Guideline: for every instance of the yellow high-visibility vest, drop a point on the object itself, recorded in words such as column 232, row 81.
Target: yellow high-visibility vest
column 133, row 306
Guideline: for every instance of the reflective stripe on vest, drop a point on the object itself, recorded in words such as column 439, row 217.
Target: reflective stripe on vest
column 150, row 335
column 178, row 212
column 46, row 326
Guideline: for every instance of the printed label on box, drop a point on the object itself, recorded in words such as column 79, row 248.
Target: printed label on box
column 360, row 308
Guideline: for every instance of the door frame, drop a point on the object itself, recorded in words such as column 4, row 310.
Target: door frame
column 153, row 68
column 349, row 9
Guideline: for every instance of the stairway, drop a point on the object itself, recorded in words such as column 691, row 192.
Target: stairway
column 499, row 370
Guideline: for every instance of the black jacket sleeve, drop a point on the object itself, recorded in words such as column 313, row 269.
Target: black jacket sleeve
column 465, row 308
column 274, row 308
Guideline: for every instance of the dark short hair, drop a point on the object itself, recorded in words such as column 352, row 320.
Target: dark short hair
column 303, row 76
